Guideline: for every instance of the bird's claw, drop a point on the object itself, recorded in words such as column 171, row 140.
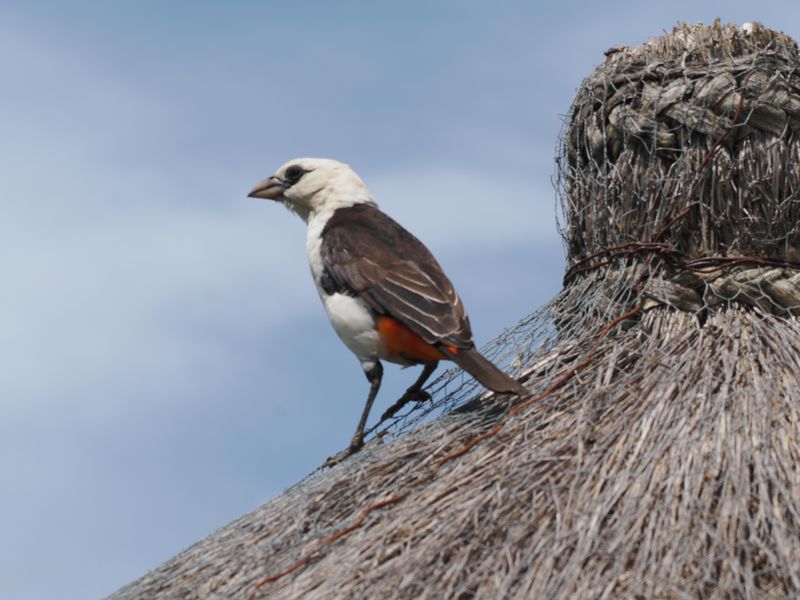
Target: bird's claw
column 355, row 445
column 411, row 395
column 416, row 395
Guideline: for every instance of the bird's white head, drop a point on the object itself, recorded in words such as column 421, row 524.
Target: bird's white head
column 309, row 186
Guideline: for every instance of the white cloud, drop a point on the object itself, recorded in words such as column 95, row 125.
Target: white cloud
column 90, row 302
column 443, row 205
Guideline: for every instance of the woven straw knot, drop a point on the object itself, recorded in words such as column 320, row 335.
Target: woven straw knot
column 772, row 290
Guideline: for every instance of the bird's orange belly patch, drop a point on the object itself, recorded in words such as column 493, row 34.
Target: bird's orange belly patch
column 399, row 342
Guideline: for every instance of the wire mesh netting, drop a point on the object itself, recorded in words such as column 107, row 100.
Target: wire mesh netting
column 658, row 453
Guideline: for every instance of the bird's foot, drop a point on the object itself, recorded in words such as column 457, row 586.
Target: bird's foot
column 355, row 445
column 412, row 395
column 417, row 395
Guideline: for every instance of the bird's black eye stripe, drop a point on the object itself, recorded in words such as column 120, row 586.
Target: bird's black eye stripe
column 293, row 174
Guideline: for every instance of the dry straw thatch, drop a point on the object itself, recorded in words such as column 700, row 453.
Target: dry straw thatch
column 658, row 454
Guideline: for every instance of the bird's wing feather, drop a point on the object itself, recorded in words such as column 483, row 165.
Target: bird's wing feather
column 368, row 254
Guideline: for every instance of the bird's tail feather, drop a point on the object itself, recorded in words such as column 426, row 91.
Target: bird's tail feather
column 484, row 371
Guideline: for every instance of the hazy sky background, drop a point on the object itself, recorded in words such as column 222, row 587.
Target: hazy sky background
column 165, row 365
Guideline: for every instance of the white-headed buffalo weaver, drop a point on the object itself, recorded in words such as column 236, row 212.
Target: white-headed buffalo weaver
column 385, row 294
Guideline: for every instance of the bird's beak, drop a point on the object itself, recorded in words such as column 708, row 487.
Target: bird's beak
column 269, row 189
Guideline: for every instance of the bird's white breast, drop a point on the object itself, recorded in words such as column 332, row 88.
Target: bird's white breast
column 354, row 324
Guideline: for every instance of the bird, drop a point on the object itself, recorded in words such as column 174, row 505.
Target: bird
column 384, row 292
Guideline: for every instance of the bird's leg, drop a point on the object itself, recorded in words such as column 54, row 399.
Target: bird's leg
column 415, row 393
column 374, row 375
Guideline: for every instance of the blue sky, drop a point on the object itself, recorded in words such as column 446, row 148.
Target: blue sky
column 166, row 365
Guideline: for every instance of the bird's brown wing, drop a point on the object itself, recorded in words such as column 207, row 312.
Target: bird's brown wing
column 367, row 254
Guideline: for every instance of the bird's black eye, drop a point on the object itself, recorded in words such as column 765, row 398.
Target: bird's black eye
column 293, row 174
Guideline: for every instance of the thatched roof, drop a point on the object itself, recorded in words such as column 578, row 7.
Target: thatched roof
column 658, row 454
